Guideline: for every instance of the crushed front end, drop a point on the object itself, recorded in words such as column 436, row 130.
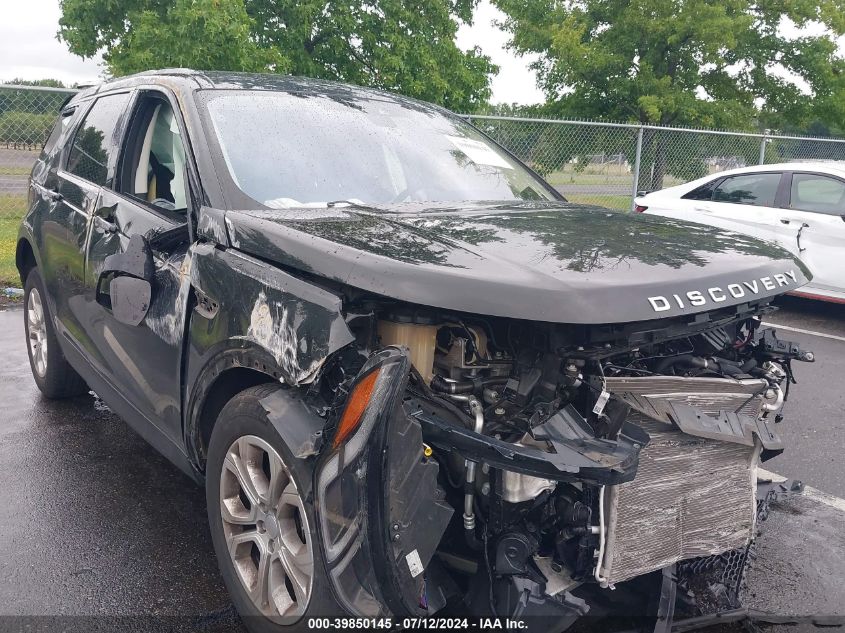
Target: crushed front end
column 497, row 467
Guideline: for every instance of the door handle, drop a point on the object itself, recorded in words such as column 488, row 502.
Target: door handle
column 54, row 195
column 704, row 209
column 784, row 220
column 804, row 225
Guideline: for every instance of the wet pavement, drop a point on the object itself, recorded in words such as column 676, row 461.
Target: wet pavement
column 800, row 560
column 93, row 522
column 813, row 429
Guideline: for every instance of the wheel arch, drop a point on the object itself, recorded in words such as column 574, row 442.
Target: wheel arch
column 228, row 374
column 25, row 259
column 225, row 376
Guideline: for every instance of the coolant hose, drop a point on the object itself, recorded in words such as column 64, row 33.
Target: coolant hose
column 688, row 360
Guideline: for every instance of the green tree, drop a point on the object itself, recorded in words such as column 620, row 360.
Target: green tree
column 397, row 45
column 44, row 83
column 708, row 63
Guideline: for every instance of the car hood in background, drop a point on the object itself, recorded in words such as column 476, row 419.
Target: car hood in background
column 555, row 262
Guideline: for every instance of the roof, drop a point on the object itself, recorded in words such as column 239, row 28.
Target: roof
column 832, row 167
column 189, row 80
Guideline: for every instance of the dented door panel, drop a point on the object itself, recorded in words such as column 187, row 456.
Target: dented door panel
column 146, row 360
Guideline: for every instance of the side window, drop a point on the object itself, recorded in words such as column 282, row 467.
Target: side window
column 754, row 189
column 155, row 162
column 95, row 144
column 704, row 192
column 816, row 193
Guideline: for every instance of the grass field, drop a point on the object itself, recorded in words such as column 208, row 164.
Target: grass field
column 596, row 174
column 563, row 178
column 5, row 170
column 11, row 211
column 617, row 203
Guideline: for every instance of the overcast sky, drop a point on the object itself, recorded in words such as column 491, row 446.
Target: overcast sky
column 29, row 50
column 515, row 83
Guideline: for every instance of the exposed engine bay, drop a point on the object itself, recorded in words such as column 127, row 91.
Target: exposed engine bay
column 539, row 458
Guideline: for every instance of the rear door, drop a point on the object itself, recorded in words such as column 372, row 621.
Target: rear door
column 148, row 197
column 73, row 192
column 814, row 212
column 748, row 203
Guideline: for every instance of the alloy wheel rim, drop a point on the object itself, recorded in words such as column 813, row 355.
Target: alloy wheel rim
column 266, row 528
column 36, row 328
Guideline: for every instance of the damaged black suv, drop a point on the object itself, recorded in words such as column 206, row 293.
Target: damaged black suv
column 413, row 378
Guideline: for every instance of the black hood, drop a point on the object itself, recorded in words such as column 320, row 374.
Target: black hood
column 554, row 262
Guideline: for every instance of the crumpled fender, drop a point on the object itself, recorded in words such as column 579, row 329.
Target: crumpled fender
column 251, row 314
column 299, row 426
column 296, row 323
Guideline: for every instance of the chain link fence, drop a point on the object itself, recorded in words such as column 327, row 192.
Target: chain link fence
column 27, row 115
column 608, row 163
column 589, row 162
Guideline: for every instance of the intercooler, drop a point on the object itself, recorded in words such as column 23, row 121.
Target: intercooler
column 692, row 496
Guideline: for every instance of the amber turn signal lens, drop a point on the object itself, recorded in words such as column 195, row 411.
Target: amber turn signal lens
column 355, row 405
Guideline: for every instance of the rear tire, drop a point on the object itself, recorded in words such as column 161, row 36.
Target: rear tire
column 260, row 505
column 51, row 371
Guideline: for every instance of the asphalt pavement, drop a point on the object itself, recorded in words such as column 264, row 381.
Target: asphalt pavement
column 98, row 529
column 93, row 521
column 813, row 428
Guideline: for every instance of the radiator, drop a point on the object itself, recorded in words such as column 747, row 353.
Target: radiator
column 692, row 496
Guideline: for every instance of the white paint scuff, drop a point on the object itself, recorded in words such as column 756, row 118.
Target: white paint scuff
column 270, row 326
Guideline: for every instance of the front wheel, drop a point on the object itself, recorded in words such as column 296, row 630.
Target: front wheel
column 262, row 523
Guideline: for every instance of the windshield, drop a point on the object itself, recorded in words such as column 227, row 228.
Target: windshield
column 292, row 149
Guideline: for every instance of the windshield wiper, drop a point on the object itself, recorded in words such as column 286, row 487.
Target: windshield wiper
column 352, row 203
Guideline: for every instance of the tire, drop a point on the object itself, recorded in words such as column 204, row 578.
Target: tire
column 243, row 434
column 51, row 371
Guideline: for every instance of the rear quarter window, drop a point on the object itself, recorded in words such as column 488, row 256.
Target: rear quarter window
column 58, row 128
column 96, row 143
column 704, row 192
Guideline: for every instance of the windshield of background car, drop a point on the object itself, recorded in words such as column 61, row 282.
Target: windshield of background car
column 289, row 150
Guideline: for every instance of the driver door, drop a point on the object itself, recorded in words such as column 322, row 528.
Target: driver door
column 149, row 198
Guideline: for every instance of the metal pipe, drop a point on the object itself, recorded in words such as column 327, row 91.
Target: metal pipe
column 763, row 142
column 600, row 559
column 450, row 387
column 634, row 126
column 778, row 399
column 637, row 156
column 469, row 494
column 39, row 88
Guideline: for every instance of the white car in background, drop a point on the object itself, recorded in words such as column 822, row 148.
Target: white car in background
column 800, row 206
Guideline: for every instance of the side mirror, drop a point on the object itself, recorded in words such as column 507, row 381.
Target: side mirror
column 130, row 299
column 129, row 277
